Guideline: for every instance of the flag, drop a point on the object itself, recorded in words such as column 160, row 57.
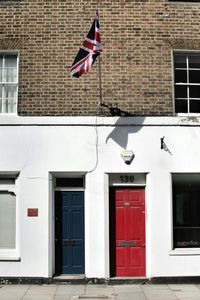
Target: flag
column 88, row 52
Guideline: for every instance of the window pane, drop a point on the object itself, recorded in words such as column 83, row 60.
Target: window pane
column 181, row 106
column 1, row 67
column 195, row 106
column 1, row 60
column 180, row 91
column 10, row 68
column 10, row 92
column 194, row 61
column 186, row 208
column 11, row 61
column 69, row 182
column 7, row 220
column 10, row 75
column 1, row 98
column 179, row 61
column 180, row 76
column 194, row 92
column 186, row 237
column 9, row 102
column 194, row 76
column 181, row 209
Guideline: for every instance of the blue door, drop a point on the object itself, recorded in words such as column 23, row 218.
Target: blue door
column 69, row 233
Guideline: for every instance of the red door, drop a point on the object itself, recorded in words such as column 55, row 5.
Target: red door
column 127, row 232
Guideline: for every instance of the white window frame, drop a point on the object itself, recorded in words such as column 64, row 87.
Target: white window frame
column 186, row 52
column 6, row 52
column 11, row 254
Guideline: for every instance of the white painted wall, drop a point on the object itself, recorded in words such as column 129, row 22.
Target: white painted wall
column 39, row 147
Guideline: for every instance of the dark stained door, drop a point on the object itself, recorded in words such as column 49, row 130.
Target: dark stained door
column 127, row 232
column 69, row 232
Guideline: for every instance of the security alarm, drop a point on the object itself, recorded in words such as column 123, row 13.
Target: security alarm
column 127, row 156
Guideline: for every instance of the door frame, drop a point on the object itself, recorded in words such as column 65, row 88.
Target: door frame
column 142, row 186
column 53, row 189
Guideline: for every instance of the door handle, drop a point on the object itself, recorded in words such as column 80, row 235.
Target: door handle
column 69, row 242
column 127, row 243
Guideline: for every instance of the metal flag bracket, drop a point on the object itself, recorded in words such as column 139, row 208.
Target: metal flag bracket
column 113, row 108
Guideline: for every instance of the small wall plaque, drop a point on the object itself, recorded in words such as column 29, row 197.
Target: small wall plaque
column 32, row 212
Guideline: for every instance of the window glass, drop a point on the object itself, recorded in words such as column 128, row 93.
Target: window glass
column 7, row 220
column 11, row 60
column 10, row 68
column 180, row 76
column 186, row 207
column 181, row 91
column 194, row 76
column 69, row 182
column 179, row 61
column 10, row 91
column 194, row 106
column 9, row 100
column 195, row 91
column 1, row 67
column 181, row 106
column 194, row 61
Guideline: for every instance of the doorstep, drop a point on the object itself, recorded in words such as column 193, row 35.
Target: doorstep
column 128, row 280
column 69, row 276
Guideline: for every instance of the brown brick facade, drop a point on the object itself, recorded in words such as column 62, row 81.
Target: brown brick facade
column 138, row 37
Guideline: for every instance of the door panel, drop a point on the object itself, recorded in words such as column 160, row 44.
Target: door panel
column 136, row 228
column 127, row 232
column 120, row 218
column 69, row 232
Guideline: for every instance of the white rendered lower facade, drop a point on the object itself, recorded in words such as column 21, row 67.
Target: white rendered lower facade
column 51, row 158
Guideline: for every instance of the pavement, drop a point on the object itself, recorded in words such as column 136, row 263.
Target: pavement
column 101, row 292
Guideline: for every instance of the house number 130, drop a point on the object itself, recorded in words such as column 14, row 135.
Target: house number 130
column 126, row 179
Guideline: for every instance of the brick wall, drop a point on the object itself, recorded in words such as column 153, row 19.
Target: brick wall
column 138, row 37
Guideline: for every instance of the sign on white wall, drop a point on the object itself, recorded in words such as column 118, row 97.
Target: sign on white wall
column 127, row 179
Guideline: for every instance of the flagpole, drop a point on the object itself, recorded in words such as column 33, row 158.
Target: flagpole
column 100, row 86
column 99, row 63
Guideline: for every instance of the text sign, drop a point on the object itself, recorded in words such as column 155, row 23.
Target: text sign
column 32, row 212
column 126, row 178
column 132, row 179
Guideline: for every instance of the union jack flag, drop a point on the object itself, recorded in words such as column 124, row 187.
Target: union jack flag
column 88, row 52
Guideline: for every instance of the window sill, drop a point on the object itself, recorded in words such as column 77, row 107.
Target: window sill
column 184, row 251
column 187, row 114
column 10, row 259
column 9, row 255
column 8, row 113
column 189, row 1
